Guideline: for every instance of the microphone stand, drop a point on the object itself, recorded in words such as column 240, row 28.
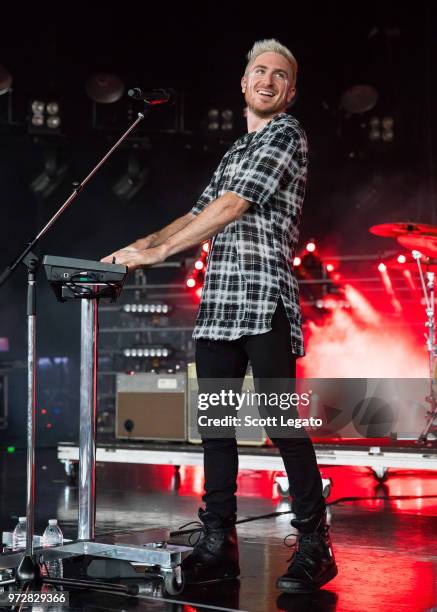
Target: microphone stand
column 28, row 570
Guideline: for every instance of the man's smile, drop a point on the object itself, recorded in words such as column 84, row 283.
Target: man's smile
column 265, row 92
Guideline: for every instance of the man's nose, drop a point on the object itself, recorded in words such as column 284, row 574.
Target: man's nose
column 268, row 78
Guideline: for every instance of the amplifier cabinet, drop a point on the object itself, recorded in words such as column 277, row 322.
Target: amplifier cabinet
column 259, row 438
column 151, row 406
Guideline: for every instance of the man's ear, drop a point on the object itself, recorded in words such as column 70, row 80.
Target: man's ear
column 290, row 94
column 243, row 84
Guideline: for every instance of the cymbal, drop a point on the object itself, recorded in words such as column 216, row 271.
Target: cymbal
column 393, row 230
column 425, row 244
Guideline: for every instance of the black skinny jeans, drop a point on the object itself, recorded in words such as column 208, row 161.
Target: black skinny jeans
column 271, row 357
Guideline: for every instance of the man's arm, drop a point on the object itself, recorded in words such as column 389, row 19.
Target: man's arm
column 215, row 217
column 157, row 238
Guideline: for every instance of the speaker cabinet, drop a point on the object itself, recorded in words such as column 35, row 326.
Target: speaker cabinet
column 151, row 407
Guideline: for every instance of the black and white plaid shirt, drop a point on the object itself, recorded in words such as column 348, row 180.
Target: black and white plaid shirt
column 251, row 261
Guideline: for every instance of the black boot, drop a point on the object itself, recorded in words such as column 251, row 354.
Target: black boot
column 215, row 556
column 313, row 563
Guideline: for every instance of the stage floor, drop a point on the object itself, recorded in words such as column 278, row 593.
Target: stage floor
column 386, row 549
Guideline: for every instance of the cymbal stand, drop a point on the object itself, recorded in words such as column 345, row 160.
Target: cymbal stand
column 428, row 288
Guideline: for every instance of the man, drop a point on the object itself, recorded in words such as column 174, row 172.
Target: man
column 249, row 309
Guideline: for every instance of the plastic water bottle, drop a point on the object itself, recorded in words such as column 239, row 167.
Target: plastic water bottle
column 52, row 535
column 19, row 535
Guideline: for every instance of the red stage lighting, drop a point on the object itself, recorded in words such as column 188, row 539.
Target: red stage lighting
column 199, row 264
column 205, row 247
column 402, row 259
column 310, row 246
column 330, row 267
column 198, row 292
column 191, row 283
column 297, row 261
column 382, row 267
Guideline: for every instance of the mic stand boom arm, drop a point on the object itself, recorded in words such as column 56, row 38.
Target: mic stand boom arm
column 77, row 189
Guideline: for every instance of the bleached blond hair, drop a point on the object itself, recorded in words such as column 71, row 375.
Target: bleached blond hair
column 273, row 46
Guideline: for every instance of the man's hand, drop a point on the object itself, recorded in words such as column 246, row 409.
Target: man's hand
column 135, row 258
column 144, row 243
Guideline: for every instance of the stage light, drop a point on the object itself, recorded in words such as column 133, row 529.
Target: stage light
column 148, row 351
column 297, row 261
column 37, row 120
column 310, row 247
column 199, row 264
column 220, row 120
column 387, row 123
column 387, row 136
column 38, row 107
column 135, row 176
column 359, row 99
column 330, row 267
column 332, row 304
column 147, row 308
column 199, row 292
column 191, row 283
column 205, row 247
column 10, row 449
column 51, row 177
column 402, row 259
column 213, row 119
column 389, row 287
column 52, row 108
column 105, row 88
column 44, row 118
column 227, row 120
column 53, row 122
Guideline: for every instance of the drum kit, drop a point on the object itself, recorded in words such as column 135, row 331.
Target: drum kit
column 421, row 240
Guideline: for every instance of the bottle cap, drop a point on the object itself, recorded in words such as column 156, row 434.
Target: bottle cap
column 53, row 521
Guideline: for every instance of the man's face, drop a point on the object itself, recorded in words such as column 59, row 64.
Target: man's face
column 267, row 85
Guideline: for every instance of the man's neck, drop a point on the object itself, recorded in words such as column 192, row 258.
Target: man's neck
column 256, row 123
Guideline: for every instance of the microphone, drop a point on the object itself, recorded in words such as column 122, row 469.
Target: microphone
column 153, row 97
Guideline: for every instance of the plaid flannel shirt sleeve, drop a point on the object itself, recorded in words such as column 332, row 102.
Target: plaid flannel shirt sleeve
column 209, row 194
column 262, row 171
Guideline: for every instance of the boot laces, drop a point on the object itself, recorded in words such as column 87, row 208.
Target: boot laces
column 197, row 534
column 305, row 546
